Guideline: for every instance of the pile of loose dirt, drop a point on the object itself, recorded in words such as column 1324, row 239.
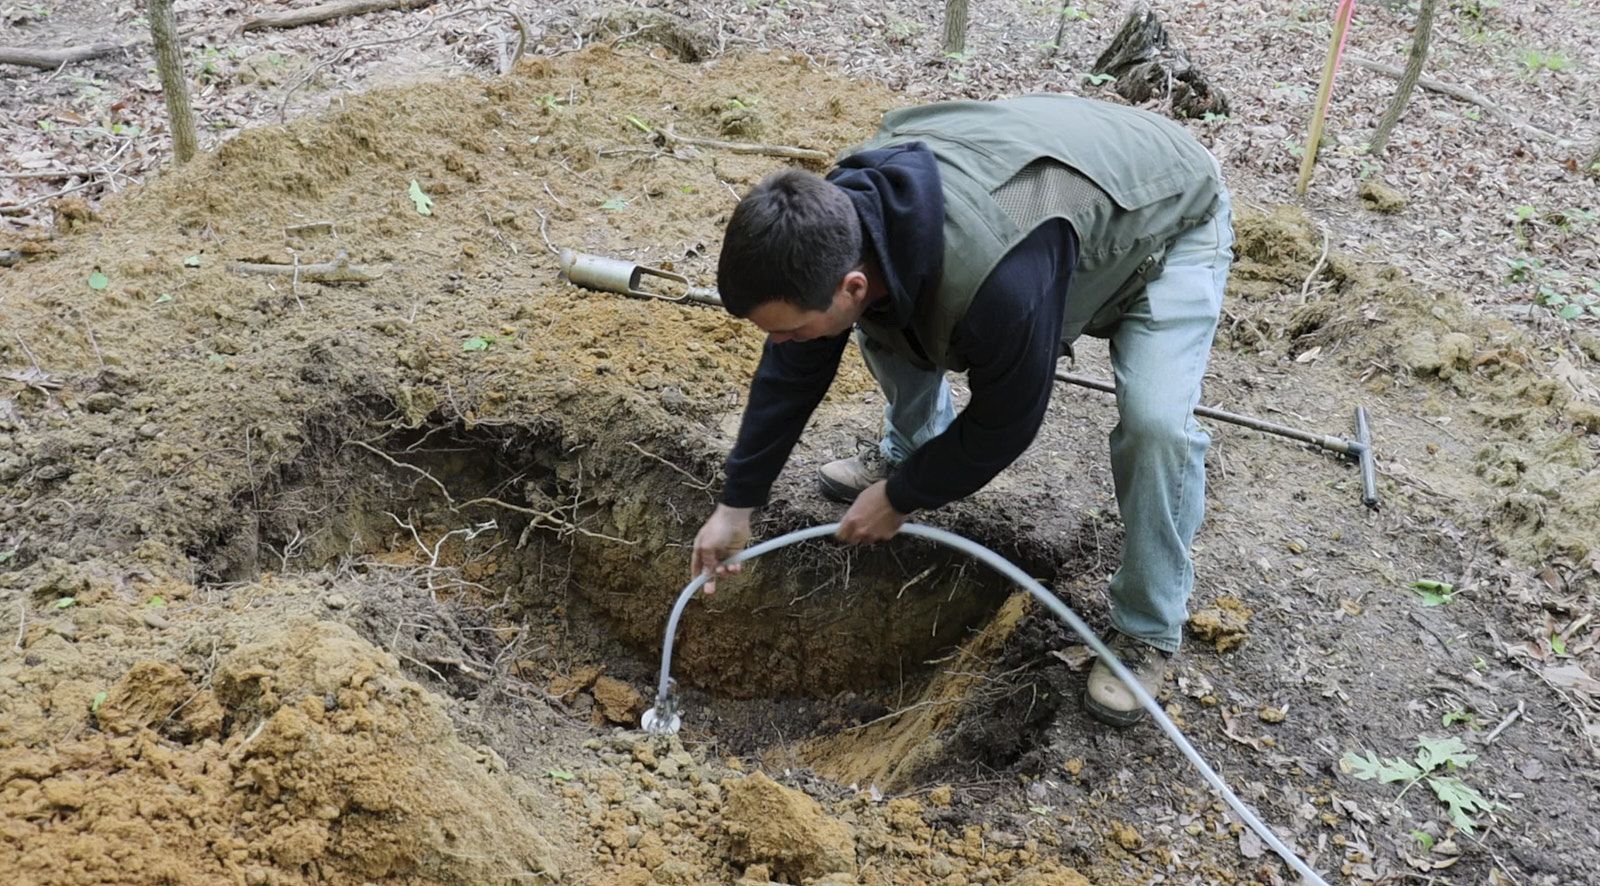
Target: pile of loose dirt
column 302, row 750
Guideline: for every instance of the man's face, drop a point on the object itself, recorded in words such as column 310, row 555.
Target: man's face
column 786, row 322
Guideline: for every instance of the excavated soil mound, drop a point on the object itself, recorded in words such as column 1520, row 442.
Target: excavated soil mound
column 332, row 762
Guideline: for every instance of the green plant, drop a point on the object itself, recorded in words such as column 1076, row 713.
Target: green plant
column 1434, row 593
column 423, row 202
column 1475, row 10
column 902, row 30
column 1292, row 91
column 1459, row 715
column 1569, row 307
column 1536, row 60
column 478, row 343
column 1213, row 117
column 1522, row 217
column 98, row 281
column 615, row 204
column 1521, row 269
column 1099, row 79
column 208, row 63
column 1435, row 756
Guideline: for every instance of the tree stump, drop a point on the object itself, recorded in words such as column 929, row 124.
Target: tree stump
column 1148, row 64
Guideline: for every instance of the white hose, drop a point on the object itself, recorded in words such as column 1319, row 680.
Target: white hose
column 1051, row 602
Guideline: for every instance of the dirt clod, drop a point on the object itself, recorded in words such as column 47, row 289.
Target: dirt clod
column 1223, row 625
column 617, row 702
column 158, row 695
column 1379, row 197
column 1127, row 836
column 782, row 827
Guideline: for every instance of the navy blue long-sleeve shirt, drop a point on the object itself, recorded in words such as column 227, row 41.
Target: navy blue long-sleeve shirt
column 1010, row 338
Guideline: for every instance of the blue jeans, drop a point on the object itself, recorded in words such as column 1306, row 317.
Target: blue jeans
column 1159, row 351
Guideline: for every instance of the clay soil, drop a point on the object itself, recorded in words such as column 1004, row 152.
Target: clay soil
column 364, row 582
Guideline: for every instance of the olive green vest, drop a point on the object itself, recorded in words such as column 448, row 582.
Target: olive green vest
column 1128, row 182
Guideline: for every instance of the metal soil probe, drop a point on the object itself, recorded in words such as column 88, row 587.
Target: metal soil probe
column 1359, row 449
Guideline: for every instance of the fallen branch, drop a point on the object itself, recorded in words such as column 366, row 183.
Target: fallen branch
column 50, row 59
column 1510, row 718
column 784, row 151
column 337, row 271
column 1461, row 93
column 24, row 206
column 50, row 173
column 509, row 65
column 328, row 11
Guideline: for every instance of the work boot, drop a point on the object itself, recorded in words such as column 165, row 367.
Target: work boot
column 1107, row 699
column 846, row 478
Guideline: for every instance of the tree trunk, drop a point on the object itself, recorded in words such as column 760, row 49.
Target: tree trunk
column 1408, row 81
column 955, row 27
column 169, row 64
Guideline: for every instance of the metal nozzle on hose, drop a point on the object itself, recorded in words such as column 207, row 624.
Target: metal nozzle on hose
column 663, row 719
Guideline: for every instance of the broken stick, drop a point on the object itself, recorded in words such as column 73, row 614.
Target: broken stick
column 328, row 11
column 784, row 151
column 1460, row 93
column 50, row 59
column 337, row 271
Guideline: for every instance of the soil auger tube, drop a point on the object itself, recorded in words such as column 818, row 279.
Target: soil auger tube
column 663, row 719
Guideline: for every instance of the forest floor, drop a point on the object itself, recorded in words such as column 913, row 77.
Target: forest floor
column 320, row 582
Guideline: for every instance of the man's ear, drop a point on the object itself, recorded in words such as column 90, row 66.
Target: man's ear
column 855, row 287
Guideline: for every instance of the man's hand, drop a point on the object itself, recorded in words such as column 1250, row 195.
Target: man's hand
column 871, row 518
column 724, row 534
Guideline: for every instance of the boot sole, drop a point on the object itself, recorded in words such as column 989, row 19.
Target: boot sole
column 1110, row 716
column 837, row 491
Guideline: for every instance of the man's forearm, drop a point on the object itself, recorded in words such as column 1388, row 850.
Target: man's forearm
column 790, row 381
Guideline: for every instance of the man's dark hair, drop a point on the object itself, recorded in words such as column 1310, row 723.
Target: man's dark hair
column 792, row 239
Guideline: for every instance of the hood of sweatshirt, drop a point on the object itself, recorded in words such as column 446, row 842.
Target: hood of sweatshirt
column 898, row 198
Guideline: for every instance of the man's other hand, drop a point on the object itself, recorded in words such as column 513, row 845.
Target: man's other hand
column 724, row 534
column 871, row 518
